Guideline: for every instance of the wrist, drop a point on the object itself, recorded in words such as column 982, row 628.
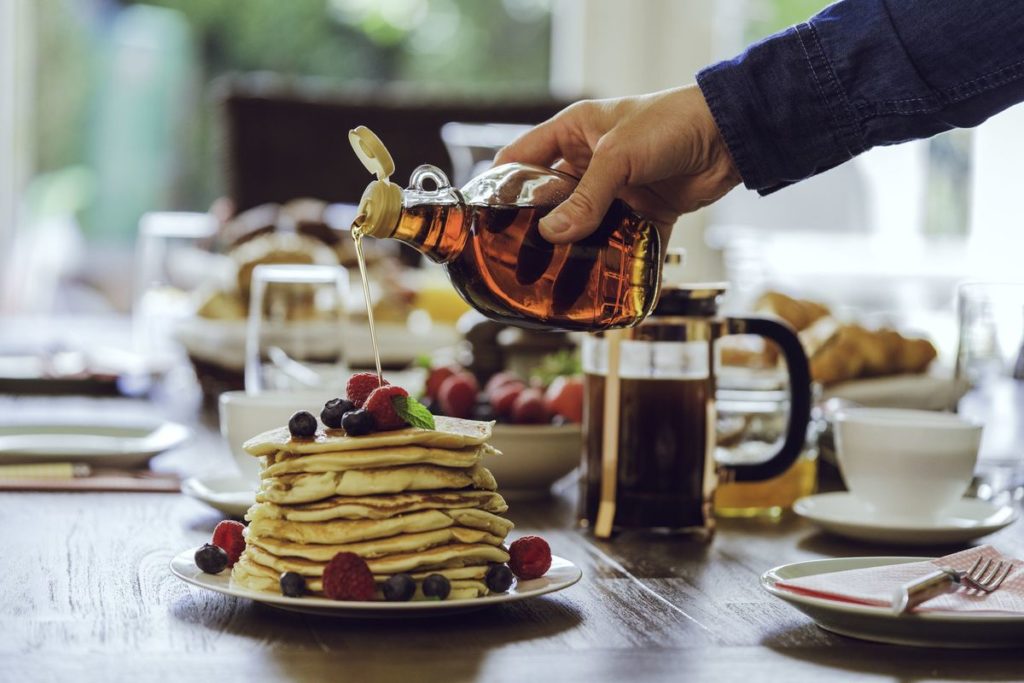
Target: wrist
column 721, row 167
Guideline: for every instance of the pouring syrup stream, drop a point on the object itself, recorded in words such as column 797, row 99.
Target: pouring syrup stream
column 357, row 238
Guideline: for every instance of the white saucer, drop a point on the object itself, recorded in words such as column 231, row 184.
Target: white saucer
column 233, row 495
column 928, row 629
column 562, row 574
column 843, row 514
column 111, row 444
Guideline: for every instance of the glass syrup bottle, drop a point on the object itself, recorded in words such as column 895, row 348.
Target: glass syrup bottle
column 486, row 236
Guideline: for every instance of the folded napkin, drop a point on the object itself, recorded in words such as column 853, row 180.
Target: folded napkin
column 876, row 585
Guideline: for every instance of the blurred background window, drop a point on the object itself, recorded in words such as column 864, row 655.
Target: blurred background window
column 888, row 234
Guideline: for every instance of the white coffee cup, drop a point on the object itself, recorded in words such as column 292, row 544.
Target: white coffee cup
column 243, row 416
column 906, row 464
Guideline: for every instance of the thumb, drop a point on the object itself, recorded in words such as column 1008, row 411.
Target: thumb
column 580, row 214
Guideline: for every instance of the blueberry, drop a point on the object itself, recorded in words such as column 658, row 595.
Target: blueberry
column 430, row 404
column 211, row 559
column 334, row 410
column 436, row 586
column 399, row 588
column 499, row 578
column 302, row 424
column 358, row 422
column 559, row 421
column 293, row 585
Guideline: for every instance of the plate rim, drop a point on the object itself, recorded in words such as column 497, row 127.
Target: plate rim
column 800, row 508
column 769, row 578
column 346, row 607
column 159, row 435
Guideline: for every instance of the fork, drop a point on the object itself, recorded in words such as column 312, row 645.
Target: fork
column 983, row 576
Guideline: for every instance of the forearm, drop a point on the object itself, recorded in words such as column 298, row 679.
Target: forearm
column 864, row 73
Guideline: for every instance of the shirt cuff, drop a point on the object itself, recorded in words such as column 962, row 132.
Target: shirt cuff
column 781, row 110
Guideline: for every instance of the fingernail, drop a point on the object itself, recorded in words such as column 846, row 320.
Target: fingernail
column 555, row 223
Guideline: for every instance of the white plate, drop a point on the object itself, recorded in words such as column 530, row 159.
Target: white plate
column 933, row 391
column 109, row 445
column 562, row 574
column 233, row 495
column 843, row 514
column 928, row 629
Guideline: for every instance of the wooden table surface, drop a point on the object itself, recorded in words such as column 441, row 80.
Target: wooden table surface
column 86, row 594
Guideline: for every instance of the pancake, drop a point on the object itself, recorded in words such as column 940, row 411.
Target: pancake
column 377, row 547
column 445, row 556
column 305, row 488
column 378, row 507
column 450, row 432
column 466, row 582
column 339, row 461
column 352, row 531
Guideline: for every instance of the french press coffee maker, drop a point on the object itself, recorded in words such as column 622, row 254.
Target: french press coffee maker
column 649, row 415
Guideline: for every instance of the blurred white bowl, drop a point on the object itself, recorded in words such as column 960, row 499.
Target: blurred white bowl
column 533, row 457
column 906, row 463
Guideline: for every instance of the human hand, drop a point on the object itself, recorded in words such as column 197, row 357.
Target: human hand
column 661, row 153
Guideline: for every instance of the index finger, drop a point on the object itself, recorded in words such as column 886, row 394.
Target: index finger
column 536, row 146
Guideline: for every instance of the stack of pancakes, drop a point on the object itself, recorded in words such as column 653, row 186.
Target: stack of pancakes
column 412, row 501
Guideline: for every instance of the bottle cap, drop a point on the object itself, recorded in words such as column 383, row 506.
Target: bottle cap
column 371, row 152
column 381, row 203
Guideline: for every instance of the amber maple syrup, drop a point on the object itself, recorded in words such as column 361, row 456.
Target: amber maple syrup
column 357, row 239
column 501, row 265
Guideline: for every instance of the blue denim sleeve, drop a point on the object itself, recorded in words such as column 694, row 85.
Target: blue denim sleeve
column 864, row 73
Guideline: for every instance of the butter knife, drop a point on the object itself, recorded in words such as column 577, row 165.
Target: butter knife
column 939, row 582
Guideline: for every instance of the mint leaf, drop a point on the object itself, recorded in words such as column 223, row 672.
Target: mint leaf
column 413, row 412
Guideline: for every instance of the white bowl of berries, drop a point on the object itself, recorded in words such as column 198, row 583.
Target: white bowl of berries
column 538, row 428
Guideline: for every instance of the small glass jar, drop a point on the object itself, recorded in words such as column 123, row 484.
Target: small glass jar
column 749, row 426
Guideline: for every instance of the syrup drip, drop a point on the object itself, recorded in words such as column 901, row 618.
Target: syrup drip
column 357, row 238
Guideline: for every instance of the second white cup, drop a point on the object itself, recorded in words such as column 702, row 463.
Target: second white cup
column 906, row 464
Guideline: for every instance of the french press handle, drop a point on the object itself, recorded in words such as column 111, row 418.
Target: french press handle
column 799, row 402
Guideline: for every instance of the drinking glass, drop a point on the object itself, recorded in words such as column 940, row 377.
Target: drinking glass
column 990, row 368
column 172, row 260
column 295, row 338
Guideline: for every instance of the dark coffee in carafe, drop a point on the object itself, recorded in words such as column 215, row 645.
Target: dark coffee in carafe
column 663, row 459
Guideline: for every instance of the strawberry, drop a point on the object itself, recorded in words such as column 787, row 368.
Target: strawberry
column 503, row 398
column 379, row 405
column 437, row 376
column 457, row 395
column 361, row 385
column 565, row 397
column 347, row 577
column 228, row 536
column 501, row 379
column 529, row 557
column 528, row 408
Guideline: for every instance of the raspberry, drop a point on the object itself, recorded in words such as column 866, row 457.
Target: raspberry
column 346, row 577
column 379, row 405
column 530, row 557
column 227, row 535
column 361, row 385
